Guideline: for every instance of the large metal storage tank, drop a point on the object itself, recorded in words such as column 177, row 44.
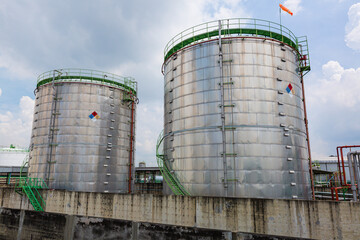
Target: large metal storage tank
column 84, row 131
column 235, row 87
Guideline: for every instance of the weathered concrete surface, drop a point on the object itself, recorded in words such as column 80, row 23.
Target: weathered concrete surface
column 288, row 218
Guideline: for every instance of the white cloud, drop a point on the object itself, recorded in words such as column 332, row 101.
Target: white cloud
column 333, row 102
column 340, row 87
column 293, row 5
column 352, row 37
column 15, row 127
column 0, row 92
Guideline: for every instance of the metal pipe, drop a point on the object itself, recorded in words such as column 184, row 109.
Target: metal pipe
column 307, row 138
column 223, row 134
column 353, row 187
column 343, row 165
column 339, row 167
column 131, row 145
column 357, row 176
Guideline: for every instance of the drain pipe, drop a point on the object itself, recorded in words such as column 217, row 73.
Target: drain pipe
column 352, row 178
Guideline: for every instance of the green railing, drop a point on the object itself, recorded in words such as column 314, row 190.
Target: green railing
column 169, row 176
column 88, row 76
column 232, row 28
column 31, row 186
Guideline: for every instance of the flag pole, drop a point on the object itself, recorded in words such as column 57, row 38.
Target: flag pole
column 280, row 20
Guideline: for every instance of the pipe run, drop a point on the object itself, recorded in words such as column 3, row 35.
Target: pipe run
column 354, row 171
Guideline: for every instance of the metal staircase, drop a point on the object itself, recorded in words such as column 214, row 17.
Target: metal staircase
column 166, row 171
column 30, row 187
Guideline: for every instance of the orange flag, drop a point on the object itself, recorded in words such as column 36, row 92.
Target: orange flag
column 285, row 9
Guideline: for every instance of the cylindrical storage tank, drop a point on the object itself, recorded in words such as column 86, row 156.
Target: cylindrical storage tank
column 234, row 114
column 83, row 132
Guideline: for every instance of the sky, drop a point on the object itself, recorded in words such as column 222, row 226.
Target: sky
column 128, row 38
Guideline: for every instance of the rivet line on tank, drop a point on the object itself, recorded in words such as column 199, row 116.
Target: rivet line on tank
column 279, row 79
column 108, row 174
column 109, row 135
column 293, row 184
column 282, row 114
column 106, row 191
column 171, row 101
column 288, row 147
column 294, row 197
column 280, row 103
column 171, row 80
column 170, row 121
column 171, row 90
column 283, row 60
column 111, row 97
column 283, row 49
column 171, row 160
column 291, row 171
column 280, row 92
column 106, row 183
column 289, row 159
column 112, row 112
column 105, row 165
column 174, row 69
column 107, row 157
column 286, row 129
column 286, row 134
column 282, row 125
column 108, row 149
column 279, row 68
column 113, row 120
column 111, row 128
column 112, row 105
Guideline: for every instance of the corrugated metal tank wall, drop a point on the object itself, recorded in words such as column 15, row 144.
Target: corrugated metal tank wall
column 88, row 154
column 266, row 144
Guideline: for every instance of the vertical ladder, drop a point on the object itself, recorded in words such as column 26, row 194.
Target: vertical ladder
column 222, row 106
column 52, row 129
column 109, row 144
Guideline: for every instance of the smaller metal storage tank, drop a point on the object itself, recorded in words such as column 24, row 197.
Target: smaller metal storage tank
column 83, row 132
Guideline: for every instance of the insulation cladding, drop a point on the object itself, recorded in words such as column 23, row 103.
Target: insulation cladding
column 266, row 152
column 83, row 131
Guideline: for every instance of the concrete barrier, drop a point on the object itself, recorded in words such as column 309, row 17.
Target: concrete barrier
column 237, row 216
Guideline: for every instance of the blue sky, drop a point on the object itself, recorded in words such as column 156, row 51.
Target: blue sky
column 128, row 38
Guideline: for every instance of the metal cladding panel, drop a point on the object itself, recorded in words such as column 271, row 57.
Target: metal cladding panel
column 265, row 129
column 91, row 156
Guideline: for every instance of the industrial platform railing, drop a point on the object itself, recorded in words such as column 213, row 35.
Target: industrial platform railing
column 88, row 76
column 236, row 27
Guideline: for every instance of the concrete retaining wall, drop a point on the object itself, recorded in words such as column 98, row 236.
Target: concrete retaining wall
column 236, row 216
